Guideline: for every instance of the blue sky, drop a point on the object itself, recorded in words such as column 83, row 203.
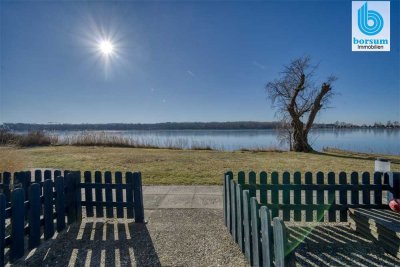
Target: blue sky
column 184, row 61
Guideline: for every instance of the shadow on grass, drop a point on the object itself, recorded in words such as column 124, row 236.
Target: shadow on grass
column 352, row 155
column 95, row 243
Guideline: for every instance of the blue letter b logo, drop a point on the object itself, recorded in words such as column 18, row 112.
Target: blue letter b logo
column 365, row 15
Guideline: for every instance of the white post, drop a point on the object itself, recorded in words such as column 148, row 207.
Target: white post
column 382, row 165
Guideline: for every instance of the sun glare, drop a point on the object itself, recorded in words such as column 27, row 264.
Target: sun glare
column 106, row 47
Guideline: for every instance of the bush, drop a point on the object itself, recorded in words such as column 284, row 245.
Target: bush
column 7, row 137
column 36, row 138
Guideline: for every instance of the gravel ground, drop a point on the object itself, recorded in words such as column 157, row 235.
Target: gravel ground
column 336, row 244
column 172, row 237
column 196, row 237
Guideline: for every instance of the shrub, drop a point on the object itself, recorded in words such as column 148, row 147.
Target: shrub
column 7, row 137
column 36, row 138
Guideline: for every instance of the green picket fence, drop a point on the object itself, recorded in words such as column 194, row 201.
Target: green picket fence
column 251, row 207
column 29, row 207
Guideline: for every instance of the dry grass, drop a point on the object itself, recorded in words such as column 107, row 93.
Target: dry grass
column 12, row 159
column 166, row 166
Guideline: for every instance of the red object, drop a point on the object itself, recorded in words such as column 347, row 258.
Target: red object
column 394, row 205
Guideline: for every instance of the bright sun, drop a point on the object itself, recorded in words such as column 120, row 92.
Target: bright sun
column 106, row 47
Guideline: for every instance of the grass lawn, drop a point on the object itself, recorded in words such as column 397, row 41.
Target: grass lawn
column 164, row 166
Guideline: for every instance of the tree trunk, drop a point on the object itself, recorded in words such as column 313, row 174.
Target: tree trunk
column 300, row 138
column 300, row 144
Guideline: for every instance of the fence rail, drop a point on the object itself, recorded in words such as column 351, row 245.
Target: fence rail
column 255, row 211
column 47, row 203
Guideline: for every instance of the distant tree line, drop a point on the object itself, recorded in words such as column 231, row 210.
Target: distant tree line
column 142, row 126
column 388, row 124
column 236, row 125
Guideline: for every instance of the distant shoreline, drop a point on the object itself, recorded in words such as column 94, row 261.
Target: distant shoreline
column 237, row 125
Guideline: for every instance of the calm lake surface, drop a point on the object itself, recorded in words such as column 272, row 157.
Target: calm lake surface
column 385, row 141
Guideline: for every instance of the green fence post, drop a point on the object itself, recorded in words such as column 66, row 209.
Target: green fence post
column 247, row 226
column 88, row 194
column 283, row 255
column 60, row 203
column 138, row 197
column 34, row 215
column 17, row 224
column 233, row 209
column 266, row 237
column 228, row 178
column 119, row 195
column 78, row 196
column 225, row 202
column 129, row 195
column 48, row 209
column 255, row 231
column 239, row 216
column 109, row 195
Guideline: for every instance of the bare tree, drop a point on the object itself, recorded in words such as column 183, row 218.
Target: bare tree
column 285, row 132
column 297, row 97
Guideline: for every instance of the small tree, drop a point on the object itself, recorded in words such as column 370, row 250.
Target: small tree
column 285, row 133
column 296, row 96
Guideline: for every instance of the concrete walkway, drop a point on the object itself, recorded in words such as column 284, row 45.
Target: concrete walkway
column 189, row 197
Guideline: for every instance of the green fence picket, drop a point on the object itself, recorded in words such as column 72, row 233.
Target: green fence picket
column 309, row 197
column 266, row 237
column 119, row 195
column 274, row 194
column 355, row 196
column 109, row 196
column 98, row 195
column 129, row 194
column 286, row 197
column 366, row 194
column 17, row 224
column 34, row 215
column 60, row 203
column 247, row 226
column 283, row 256
column 138, row 197
column 320, row 197
column 88, row 194
column 297, row 196
column 48, row 209
column 233, row 209
column 263, row 190
column 343, row 197
column 239, row 216
column 228, row 178
column 331, row 197
column 255, row 232
column 252, row 184
column 377, row 192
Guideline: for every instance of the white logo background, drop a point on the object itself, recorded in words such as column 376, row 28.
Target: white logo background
column 383, row 8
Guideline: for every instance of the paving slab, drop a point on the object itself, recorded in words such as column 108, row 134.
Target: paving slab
column 207, row 201
column 155, row 189
column 152, row 201
column 209, row 190
column 182, row 190
column 176, row 202
column 197, row 197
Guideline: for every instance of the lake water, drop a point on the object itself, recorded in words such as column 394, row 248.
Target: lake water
column 386, row 141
